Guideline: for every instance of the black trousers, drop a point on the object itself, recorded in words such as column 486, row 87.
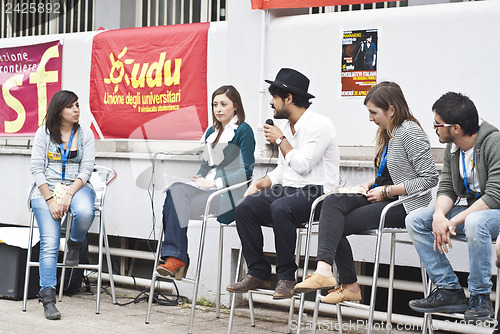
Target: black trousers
column 282, row 208
column 346, row 214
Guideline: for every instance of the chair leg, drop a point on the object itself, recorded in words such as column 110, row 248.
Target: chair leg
column 99, row 270
column 28, row 262
column 338, row 305
column 302, row 295
column 290, row 315
column 302, row 301
column 69, row 220
column 198, row 272
column 110, row 264
column 497, row 293
column 427, row 285
column 306, row 268
column 373, row 296
column 390, row 294
column 339, row 318
column 250, row 306
column 316, row 311
column 233, row 300
column 219, row 272
column 153, row 278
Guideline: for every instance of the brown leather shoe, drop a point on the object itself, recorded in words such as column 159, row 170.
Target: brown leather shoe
column 284, row 289
column 248, row 283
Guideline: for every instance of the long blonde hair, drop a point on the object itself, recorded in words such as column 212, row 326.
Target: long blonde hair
column 384, row 95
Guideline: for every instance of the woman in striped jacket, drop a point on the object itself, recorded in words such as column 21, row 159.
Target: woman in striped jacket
column 403, row 165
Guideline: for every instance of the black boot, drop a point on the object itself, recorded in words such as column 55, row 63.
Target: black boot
column 73, row 255
column 48, row 298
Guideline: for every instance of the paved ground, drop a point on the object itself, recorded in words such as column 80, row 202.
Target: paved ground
column 78, row 316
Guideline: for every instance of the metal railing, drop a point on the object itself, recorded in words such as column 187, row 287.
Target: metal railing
column 166, row 12
column 366, row 6
column 42, row 17
column 30, row 18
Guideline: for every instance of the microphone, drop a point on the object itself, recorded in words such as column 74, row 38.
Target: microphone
column 271, row 123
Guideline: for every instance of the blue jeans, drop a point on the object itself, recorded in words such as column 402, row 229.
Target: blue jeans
column 82, row 209
column 480, row 228
column 182, row 203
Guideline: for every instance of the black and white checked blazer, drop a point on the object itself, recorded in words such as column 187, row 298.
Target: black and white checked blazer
column 409, row 161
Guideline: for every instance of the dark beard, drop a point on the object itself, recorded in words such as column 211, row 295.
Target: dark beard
column 282, row 114
column 448, row 138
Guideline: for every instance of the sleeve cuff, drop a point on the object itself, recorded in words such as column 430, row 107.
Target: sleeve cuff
column 272, row 178
column 218, row 183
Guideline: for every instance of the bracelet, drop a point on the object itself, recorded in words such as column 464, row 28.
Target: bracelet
column 387, row 193
column 48, row 199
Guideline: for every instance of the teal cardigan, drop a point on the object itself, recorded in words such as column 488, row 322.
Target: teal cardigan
column 237, row 166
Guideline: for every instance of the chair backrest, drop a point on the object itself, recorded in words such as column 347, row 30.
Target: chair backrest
column 100, row 179
column 32, row 189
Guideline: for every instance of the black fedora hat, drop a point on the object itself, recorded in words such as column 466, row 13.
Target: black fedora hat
column 292, row 81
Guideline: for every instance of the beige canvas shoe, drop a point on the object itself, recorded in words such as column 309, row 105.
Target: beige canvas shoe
column 315, row 282
column 340, row 294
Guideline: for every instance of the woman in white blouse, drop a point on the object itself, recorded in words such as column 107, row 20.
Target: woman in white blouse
column 228, row 159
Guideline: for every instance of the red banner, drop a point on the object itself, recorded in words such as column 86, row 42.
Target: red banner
column 150, row 83
column 29, row 76
column 267, row 4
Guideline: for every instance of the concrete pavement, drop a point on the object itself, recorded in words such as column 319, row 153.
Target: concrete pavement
column 78, row 316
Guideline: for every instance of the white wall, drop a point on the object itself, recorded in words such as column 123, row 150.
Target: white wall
column 428, row 50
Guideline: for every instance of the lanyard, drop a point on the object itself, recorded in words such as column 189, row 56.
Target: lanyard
column 381, row 167
column 465, row 171
column 65, row 153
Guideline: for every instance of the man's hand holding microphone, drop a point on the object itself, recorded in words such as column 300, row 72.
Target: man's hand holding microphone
column 273, row 135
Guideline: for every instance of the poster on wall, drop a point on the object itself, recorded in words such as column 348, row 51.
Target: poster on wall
column 359, row 62
column 29, row 76
column 267, row 4
column 150, row 83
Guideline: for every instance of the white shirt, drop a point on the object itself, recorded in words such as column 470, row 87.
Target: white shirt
column 215, row 156
column 315, row 157
column 470, row 169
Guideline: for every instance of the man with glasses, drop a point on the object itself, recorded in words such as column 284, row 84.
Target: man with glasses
column 471, row 171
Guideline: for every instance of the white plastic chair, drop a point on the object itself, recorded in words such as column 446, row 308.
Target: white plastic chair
column 100, row 179
column 196, row 280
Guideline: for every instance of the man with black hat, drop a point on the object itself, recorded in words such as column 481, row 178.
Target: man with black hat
column 308, row 166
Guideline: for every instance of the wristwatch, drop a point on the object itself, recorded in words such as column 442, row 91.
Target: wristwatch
column 280, row 140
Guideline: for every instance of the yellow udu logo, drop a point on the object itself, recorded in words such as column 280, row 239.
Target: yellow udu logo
column 154, row 75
